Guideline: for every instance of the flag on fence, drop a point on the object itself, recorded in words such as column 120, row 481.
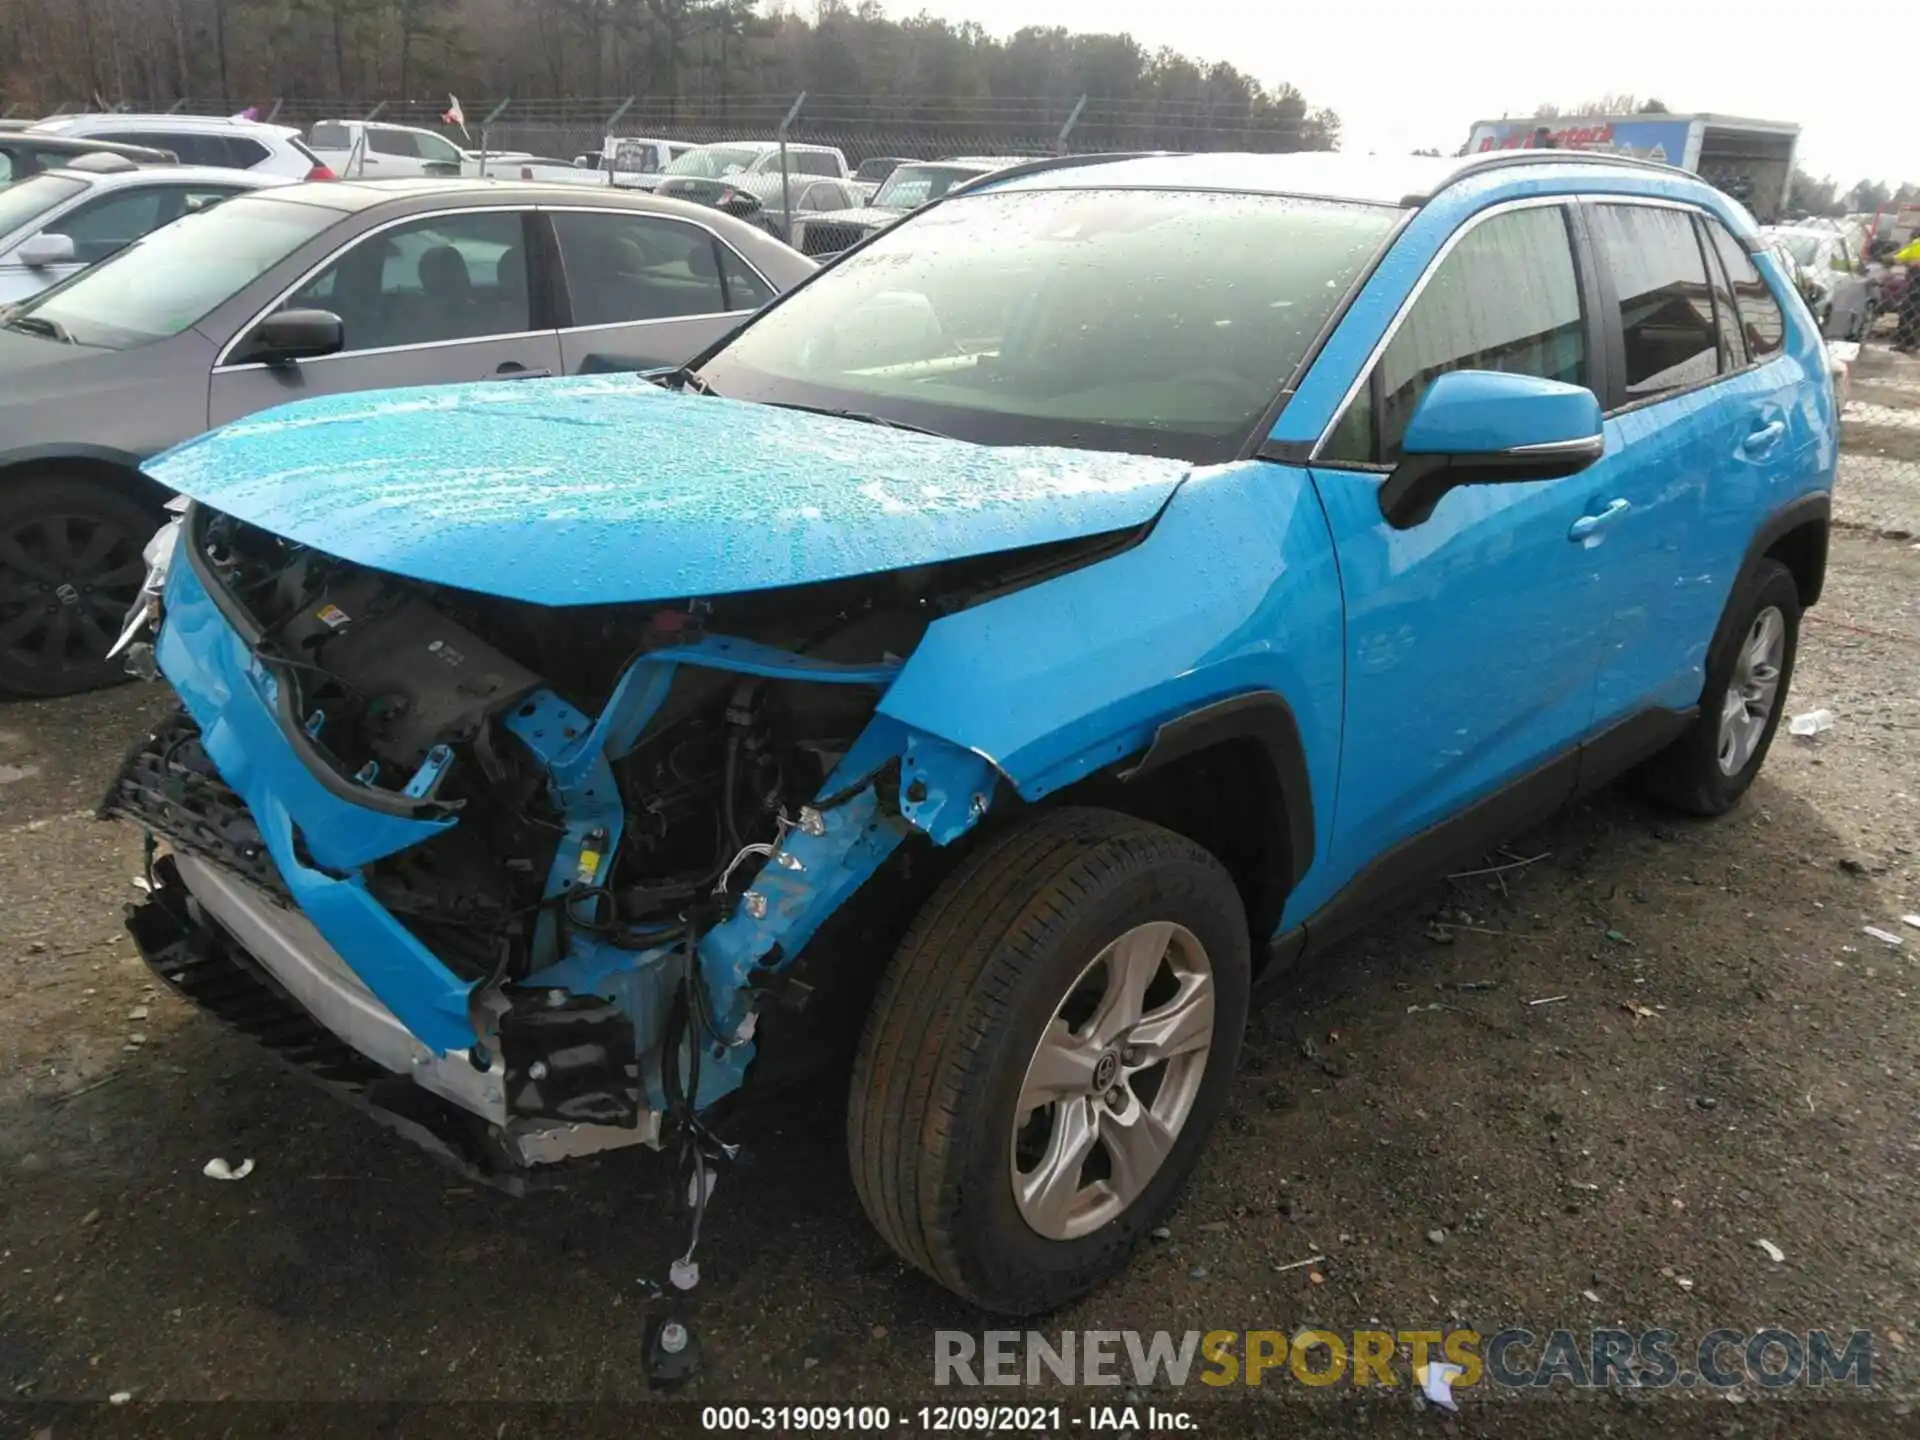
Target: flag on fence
column 455, row 115
column 252, row 112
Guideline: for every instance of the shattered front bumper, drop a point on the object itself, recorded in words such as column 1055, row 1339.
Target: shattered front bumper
column 218, row 928
column 266, row 896
column 223, row 945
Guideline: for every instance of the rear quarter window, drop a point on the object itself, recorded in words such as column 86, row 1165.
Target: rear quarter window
column 1760, row 319
column 1665, row 304
column 326, row 136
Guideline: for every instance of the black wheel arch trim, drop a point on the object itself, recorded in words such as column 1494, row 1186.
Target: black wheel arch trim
column 1265, row 718
column 69, row 450
column 1814, row 509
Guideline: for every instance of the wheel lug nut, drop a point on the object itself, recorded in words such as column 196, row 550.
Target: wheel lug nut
column 1116, row 1097
column 1129, row 1056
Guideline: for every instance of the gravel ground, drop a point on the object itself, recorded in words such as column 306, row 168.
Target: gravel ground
column 1729, row 1058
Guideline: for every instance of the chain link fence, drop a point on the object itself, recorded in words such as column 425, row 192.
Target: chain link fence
column 864, row 128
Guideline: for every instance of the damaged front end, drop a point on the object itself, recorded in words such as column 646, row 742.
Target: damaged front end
column 522, row 879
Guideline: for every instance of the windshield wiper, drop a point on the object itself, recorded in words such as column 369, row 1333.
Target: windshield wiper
column 683, row 378
column 39, row 325
column 861, row 415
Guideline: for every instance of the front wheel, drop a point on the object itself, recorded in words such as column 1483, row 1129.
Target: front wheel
column 1049, row 1048
column 70, row 568
column 1708, row 769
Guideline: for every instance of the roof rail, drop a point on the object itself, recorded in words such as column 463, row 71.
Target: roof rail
column 1499, row 159
column 1048, row 163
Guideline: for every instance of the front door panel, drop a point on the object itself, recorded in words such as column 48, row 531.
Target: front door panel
column 1471, row 654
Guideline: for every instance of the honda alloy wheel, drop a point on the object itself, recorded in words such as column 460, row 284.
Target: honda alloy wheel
column 1052, row 1043
column 70, row 568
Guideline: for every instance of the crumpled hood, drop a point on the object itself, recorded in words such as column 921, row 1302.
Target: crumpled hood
column 609, row 489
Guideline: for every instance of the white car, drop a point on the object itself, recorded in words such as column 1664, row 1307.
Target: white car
column 57, row 223
column 386, row 151
column 202, row 140
column 1835, row 280
column 635, row 162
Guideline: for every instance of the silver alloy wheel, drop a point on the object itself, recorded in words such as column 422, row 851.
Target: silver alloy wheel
column 1113, row 1080
column 1752, row 690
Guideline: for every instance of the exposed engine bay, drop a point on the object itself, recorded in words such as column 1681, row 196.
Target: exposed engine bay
column 568, row 855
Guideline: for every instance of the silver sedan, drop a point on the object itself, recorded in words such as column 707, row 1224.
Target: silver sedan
column 314, row 290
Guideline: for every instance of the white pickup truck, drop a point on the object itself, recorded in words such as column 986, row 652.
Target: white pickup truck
column 371, row 149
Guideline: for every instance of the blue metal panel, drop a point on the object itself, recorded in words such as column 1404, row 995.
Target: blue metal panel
column 1469, row 412
column 1472, row 646
column 605, row 489
column 224, row 689
column 1235, row 590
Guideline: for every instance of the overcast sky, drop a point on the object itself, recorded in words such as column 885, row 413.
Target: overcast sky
column 1403, row 75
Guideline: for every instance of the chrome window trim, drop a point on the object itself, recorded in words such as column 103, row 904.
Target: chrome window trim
column 1473, row 222
column 661, row 320
column 220, row 363
column 246, row 365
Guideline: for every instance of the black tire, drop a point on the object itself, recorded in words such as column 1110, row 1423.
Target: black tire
column 959, row 1012
column 1687, row 775
column 70, row 567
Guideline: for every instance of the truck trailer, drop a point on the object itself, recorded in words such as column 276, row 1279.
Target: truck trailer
column 1751, row 160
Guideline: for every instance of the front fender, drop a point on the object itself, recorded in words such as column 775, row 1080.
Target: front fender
column 1234, row 592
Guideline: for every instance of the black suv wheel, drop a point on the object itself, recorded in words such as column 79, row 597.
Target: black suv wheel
column 70, row 567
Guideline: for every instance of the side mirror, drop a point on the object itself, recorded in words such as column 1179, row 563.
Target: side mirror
column 1486, row 427
column 47, row 248
column 290, row 335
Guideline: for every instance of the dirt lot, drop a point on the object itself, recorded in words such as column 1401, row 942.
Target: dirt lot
column 1652, row 1047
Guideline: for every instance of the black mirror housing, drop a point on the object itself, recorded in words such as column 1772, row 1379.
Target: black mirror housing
column 1418, row 482
column 287, row 336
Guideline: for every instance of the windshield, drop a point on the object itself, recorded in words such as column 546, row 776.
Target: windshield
column 713, row 162
column 912, row 186
column 26, row 202
column 1152, row 321
column 1803, row 248
column 161, row 285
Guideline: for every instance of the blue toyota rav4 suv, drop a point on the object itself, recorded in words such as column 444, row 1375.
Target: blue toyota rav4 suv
column 1066, row 609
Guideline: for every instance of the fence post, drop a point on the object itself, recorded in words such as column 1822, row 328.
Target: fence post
column 7, row 114
column 374, row 113
column 786, row 175
column 485, row 126
column 614, row 119
column 272, row 114
column 1073, row 119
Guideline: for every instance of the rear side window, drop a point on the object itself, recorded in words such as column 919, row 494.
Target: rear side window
column 1666, row 307
column 624, row 267
column 328, row 135
column 813, row 162
column 1506, row 297
column 393, row 142
column 1760, row 319
column 242, row 153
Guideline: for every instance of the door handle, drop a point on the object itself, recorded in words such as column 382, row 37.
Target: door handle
column 514, row 370
column 1764, row 439
column 1588, row 526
